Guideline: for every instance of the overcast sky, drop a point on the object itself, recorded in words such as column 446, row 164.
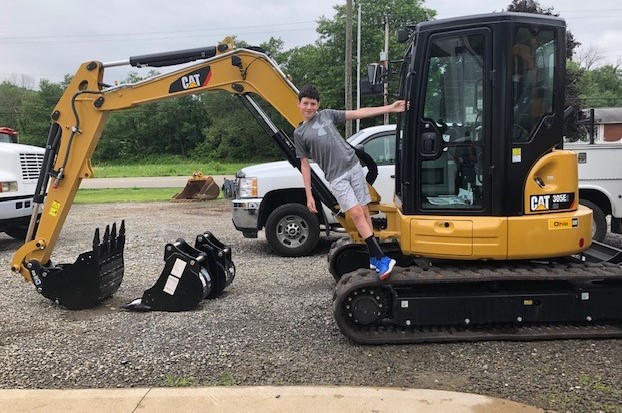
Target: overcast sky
column 48, row 39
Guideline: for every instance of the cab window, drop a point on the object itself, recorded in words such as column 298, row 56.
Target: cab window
column 533, row 73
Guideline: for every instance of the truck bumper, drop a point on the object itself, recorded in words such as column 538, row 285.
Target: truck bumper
column 246, row 216
column 15, row 210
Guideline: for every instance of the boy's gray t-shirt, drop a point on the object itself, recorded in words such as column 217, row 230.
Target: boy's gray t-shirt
column 320, row 140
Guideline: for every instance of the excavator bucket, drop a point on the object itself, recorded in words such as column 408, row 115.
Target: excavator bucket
column 219, row 262
column 199, row 187
column 95, row 275
column 190, row 275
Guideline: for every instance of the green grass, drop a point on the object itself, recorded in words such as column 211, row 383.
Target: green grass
column 167, row 168
column 116, row 195
column 175, row 381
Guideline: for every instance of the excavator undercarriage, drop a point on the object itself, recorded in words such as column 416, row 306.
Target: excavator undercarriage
column 460, row 301
column 443, row 301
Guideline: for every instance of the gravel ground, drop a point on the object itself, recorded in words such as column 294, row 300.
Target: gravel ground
column 272, row 326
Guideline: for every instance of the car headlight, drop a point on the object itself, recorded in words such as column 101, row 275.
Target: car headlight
column 247, row 187
column 9, row 186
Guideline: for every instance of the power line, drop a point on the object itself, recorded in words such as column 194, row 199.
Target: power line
column 79, row 37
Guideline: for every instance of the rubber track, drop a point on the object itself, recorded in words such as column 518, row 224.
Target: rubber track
column 402, row 277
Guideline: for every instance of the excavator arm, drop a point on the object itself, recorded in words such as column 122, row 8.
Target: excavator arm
column 81, row 114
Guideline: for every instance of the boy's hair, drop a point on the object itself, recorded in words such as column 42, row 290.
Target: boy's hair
column 308, row 91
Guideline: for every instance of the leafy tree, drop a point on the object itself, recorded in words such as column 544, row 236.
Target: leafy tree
column 232, row 134
column 323, row 63
column 12, row 99
column 36, row 111
column 532, row 6
column 601, row 87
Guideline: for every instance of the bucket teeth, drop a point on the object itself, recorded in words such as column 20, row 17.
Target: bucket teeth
column 113, row 237
column 94, row 276
column 96, row 239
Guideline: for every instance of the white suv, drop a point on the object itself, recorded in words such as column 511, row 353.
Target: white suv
column 271, row 196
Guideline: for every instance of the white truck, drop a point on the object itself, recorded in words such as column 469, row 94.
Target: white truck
column 19, row 171
column 600, row 184
column 271, row 196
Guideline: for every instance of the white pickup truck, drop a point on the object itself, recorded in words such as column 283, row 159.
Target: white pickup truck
column 271, row 196
column 19, row 171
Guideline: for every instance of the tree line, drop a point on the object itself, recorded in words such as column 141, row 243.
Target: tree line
column 216, row 126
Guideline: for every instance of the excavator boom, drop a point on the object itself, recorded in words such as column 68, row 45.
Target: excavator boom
column 77, row 124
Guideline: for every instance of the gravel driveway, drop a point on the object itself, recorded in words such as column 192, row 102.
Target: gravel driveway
column 273, row 326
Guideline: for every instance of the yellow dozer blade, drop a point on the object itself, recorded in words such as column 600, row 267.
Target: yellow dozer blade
column 200, row 188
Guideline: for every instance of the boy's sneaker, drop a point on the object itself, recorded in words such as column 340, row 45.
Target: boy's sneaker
column 384, row 266
column 373, row 261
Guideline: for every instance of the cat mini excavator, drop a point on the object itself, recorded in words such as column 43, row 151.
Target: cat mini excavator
column 486, row 226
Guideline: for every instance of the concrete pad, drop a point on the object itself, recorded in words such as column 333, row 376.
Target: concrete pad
column 255, row 400
column 71, row 401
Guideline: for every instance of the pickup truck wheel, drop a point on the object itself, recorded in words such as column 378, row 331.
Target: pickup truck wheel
column 599, row 222
column 292, row 231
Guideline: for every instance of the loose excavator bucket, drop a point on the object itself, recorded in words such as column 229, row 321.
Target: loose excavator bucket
column 95, row 275
column 199, row 187
column 190, row 275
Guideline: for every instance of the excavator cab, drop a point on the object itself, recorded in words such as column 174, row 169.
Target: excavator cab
column 481, row 145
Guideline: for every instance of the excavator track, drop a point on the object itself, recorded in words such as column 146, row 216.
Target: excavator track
column 452, row 302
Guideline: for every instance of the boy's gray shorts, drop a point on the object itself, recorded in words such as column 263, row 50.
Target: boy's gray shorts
column 351, row 189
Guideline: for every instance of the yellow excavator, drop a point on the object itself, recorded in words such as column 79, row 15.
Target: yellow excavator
column 486, row 226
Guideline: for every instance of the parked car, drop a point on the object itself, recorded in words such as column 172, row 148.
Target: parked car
column 271, row 196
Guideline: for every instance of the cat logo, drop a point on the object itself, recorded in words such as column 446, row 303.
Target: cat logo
column 193, row 80
column 540, row 202
column 551, row 202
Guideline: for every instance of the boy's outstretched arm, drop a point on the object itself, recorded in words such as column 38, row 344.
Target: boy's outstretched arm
column 395, row 107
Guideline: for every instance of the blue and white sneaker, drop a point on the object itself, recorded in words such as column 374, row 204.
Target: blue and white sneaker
column 373, row 261
column 384, row 266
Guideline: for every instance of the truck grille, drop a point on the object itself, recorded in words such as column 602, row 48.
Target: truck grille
column 31, row 165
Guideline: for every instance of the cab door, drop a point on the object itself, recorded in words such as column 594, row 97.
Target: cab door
column 445, row 190
column 452, row 131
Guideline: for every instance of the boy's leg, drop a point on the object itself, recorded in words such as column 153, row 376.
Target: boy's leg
column 363, row 225
column 353, row 196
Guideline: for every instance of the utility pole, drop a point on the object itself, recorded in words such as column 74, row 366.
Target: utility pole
column 386, row 65
column 358, row 66
column 348, row 65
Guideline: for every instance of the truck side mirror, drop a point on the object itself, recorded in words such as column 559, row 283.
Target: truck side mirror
column 374, row 73
column 403, row 36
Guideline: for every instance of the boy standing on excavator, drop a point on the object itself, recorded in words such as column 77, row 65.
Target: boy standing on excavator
column 318, row 138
